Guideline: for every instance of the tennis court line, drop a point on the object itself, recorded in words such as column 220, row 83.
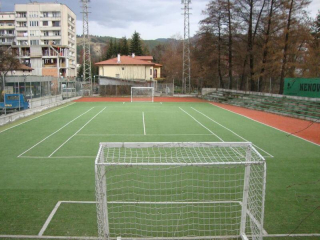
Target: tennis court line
column 76, row 132
column 231, row 131
column 266, row 124
column 202, row 124
column 144, row 124
column 54, row 132
column 35, row 118
column 53, row 212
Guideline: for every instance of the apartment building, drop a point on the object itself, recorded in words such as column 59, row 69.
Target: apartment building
column 45, row 38
column 7, row 28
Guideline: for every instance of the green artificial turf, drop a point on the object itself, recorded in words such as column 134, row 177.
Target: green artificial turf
column 30, row 186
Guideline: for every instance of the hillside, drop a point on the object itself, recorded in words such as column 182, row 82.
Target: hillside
column 98, row 44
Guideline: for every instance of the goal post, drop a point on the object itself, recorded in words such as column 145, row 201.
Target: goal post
column 142, row 94
column 190, row 190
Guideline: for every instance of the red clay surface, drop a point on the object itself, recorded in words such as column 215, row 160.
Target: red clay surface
column 128, row 99
column 287, row 124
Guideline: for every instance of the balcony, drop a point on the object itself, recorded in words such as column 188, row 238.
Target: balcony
column 21, row 27
column 22, row 35
column 7, row 35
column 5, row 26
column 5, row 43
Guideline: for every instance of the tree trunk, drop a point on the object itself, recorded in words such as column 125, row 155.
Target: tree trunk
column 250, row 46
column 265, row 49
column 285, row 50
column 230, row 46
column 219, row 55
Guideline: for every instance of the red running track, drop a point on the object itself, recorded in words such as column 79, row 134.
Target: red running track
column 302, row 128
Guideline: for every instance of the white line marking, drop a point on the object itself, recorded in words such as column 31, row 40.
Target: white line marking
column 169, row 134
column 35, row 118
column 231, row 131
column 181, row 238
column 76, row 132
column 53, row 212
column 54, row 132
column 44, row 227
column 60, row 157
column 202, row 125
column 266, row 125
column 144, row 124
column 48, row 237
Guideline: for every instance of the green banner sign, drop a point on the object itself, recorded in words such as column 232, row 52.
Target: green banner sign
column 302, row 87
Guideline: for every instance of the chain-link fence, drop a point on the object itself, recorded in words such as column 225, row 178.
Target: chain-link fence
column 160, row 89
column 270, row 85
column 37, row 90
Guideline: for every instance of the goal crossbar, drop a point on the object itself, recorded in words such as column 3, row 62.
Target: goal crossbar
column 180, row 190
column 142, row 94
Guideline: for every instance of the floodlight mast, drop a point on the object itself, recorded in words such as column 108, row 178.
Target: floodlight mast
column 87, row 77
column 186, row 72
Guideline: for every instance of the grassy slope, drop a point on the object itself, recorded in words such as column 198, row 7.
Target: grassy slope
column 30, row 188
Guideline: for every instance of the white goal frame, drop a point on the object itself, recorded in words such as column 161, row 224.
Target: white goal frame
column 241, row 155
column 145, row 88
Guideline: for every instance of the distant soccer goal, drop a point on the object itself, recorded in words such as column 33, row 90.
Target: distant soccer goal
column 180, row 191
column 142, row 94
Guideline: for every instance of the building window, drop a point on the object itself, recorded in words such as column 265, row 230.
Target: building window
column 34, row 23
column 56, row 14
column 45, row 23
column 45, row 14
column 45, row 33
column 55, row 23
column 56, row 33
column 123, row 68
column 150, row 71
column 22, row 24
column 21, row 15
column 33, row 14
column 34, row 33
column 46, row 42
column 34, row 42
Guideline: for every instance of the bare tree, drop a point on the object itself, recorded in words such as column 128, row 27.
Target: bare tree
column 293, row 8
column 8, row 63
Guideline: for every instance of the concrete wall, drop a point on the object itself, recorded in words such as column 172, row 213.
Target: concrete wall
column 205, row 91
column 4, row 119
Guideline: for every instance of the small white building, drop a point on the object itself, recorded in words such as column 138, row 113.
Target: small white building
column 133, row 67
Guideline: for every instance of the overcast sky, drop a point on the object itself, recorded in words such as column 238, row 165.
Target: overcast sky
column 151, row 18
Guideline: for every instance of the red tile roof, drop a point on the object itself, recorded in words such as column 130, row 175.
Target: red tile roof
column 145, row 58
column 24, row 67
column 125, row 60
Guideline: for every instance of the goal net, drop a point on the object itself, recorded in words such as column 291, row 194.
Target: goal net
column 142, row 94
column 180, row 191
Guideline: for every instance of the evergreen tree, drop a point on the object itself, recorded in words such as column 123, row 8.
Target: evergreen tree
column 116, row 48
column 135, row 46
column 124, row 47
column 110, row 50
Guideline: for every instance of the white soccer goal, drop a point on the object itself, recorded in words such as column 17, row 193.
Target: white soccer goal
column 142, row 94
column 180, row 191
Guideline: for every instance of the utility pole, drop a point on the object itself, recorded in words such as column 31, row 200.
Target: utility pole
column 86, row 43
column 186, row 72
